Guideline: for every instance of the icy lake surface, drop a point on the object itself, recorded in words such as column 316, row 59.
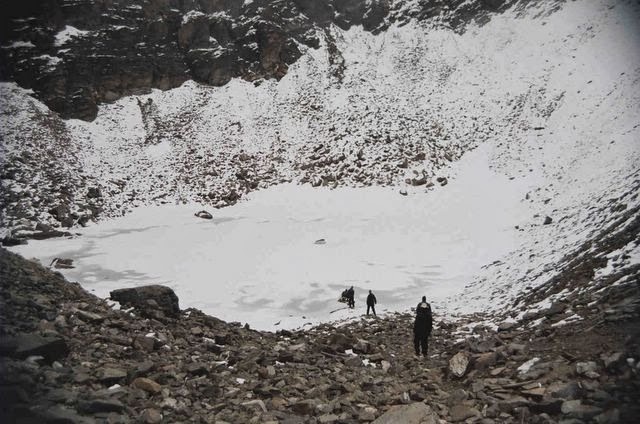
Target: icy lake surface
column 258, row 262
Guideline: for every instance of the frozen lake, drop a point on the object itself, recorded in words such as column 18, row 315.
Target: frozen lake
column 258, row 262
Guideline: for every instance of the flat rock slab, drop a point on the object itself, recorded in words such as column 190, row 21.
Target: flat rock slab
column 416, row 413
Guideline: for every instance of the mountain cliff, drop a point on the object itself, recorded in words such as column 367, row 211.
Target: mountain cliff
column 78, row 54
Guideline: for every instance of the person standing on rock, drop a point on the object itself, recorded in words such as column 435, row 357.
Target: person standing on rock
column 422, row 327
column 350, row 296
column 371, row 303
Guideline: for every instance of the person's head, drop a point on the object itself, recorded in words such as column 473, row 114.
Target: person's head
column 369, row 291
column 424, row 298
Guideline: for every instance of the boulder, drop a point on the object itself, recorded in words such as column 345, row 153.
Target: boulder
column 415, row 413
column 149, row 298
column 51, row 348
column 459, row 363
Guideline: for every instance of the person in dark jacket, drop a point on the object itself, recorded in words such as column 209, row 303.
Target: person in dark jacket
column 371, row 303
column 422, row 327
column 350, row 295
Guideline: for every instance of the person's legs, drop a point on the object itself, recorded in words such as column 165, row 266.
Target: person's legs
column 416, row 343
column 368, row 306
column 373, row 309
column 425, row 344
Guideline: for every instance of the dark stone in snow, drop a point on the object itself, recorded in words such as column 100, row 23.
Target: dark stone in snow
column 204, row 215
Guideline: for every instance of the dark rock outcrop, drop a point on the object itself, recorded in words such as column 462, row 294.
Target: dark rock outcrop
column 149, row 300
column 75, row 55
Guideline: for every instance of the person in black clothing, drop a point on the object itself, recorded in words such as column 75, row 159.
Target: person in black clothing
column 350, row 301
column 422, row 327
column 371, row 303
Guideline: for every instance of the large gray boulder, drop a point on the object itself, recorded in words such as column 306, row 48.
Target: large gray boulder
column 149, row 300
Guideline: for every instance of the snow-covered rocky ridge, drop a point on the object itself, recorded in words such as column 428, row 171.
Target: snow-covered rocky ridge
column 78, row 54
column 551, row 95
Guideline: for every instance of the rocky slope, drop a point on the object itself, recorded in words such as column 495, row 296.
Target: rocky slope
column 360, row 109
column 68, row 356
column 77, row 54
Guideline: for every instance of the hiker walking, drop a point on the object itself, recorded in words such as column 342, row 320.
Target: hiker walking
column 371, row 303
column 422, row 327
column 350, row 295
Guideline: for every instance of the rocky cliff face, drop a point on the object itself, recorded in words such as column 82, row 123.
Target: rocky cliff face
column 78, row 54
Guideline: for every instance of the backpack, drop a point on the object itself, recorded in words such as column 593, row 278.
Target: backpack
column 423, row 313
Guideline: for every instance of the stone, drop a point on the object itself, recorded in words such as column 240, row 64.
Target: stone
column 341, row 341
column 509, row 404
column 506, row 326
column 328, row 419
column 61, row 263
column 485, row 360
column 555, row 309
column 462, row 412
column 368, row 413
column 151, row 416
column 139, row 297
column 459, row 363
column 147, row 385
column 255, row 404
column 537, row 393
column 457, row 396
column 569, row 391
column 305, row 407
column 516, row 348
column 89, row 317
column 50, row 348
column 613, row 361
column 547, row 406
column 353, row 361
column 547, row 220
column 100, row 405
column 197, row 368
column 415, row 413
column 576, row 409
column 204, row 215
column 612, row 416
column 144, row 343
column 110, row 376
column 587, row 369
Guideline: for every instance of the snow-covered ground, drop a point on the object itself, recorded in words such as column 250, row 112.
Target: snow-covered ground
column 258, row 261
column 552, row 99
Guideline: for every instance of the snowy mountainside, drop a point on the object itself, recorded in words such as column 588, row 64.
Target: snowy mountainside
column 408, row 101
column 552, row 95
